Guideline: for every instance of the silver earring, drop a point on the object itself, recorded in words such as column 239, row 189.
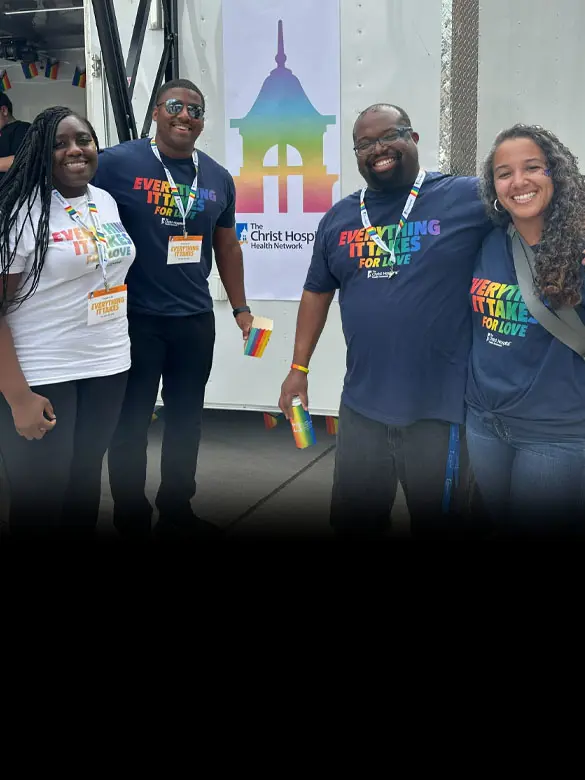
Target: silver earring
column 496, row 207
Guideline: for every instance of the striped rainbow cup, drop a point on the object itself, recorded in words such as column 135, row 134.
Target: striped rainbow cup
column 259, row 337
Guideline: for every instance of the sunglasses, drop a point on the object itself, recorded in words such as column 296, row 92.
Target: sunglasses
column 174, row 106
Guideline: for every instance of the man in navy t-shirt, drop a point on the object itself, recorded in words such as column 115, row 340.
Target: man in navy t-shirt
column 406, row 321
column 178, row 205
column 12, row 134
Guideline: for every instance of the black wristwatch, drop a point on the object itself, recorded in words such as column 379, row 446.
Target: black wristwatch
column 242, row 310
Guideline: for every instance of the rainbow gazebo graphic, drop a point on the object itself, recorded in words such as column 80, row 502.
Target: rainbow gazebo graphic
column 283, row 116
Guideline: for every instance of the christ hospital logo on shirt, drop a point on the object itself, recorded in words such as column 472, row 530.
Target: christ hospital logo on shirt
column 503, row 309
column 371, row 259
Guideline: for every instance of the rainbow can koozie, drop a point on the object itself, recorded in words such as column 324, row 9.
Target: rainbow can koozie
column 302, row 425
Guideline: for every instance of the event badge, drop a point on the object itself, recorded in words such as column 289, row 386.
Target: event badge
column 106, row 305
column 184, row 249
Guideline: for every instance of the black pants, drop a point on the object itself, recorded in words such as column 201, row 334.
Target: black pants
column 180, row 349
column 370, row 460
column 54, row 483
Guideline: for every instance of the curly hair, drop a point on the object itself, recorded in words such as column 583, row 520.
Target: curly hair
column 30, row 177
column 560, row 251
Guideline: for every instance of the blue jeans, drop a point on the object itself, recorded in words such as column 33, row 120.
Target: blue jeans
column 528, row 487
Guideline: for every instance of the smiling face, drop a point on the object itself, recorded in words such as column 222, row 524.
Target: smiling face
column 393, row 160
column 74, row 157
column 521, row 179
column 177, row 129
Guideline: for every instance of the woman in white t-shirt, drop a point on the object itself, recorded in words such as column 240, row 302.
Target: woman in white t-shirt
column 64, row 345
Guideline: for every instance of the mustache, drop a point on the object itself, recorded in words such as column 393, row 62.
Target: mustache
column 371, row 161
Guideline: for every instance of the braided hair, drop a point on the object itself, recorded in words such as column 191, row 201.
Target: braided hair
column 30, row 177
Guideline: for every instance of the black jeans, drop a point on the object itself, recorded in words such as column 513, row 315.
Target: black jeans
column 372, row 457
column 54, row 483
column 180, row 349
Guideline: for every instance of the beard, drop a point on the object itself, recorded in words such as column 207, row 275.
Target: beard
column 402, row 174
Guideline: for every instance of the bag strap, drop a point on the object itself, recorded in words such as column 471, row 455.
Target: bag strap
column 564, row 324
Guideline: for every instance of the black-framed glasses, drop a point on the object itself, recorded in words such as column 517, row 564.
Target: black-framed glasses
column 174, row 106
column 388, row 138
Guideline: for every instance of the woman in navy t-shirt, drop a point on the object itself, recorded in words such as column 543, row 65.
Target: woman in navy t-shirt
column 526, row 389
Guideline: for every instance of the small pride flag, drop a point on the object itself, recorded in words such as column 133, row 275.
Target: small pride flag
column 51, row 70
column 332, row 424
column 4, row 82
column 30, row 70
column 271, row 420
column 79, row 77
column 259, row 337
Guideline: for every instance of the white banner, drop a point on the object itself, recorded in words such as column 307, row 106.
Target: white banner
column 282, row 97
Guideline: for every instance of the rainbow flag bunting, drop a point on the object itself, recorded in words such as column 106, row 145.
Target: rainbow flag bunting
column 332, row 424
column 4, row 82
column 259, row 337
column 51, row 70
column 271, row 420
column 79, row 77
column 30, row 70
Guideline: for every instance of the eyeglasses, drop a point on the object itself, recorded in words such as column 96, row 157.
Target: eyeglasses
column 390, row 137
column 174, row 106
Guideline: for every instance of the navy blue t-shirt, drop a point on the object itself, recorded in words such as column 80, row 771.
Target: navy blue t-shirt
column 518, row 370
column 137, row 181
column 408, row 337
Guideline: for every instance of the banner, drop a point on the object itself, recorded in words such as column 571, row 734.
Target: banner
column 281, row 63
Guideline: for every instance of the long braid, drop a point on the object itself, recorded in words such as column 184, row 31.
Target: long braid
column 29, row 177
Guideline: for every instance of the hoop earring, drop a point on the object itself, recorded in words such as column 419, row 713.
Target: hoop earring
column 500, row 211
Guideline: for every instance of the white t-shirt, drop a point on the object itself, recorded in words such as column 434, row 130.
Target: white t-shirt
column 53, row 340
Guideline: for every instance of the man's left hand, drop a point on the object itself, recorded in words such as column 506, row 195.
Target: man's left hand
column 244, row 321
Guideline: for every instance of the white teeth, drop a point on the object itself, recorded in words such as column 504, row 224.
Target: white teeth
column 385, row 161
column 524, row 198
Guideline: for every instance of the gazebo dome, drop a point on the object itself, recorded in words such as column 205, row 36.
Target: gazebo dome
column 282, row 99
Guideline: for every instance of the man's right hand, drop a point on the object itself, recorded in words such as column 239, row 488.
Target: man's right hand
column 30, row 416
column 296, row 383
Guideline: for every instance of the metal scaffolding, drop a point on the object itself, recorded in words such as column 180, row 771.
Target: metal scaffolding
column 120, row 76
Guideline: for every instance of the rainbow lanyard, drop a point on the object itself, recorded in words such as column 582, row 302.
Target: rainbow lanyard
column 174, row 189
column 95, row 229
column 372, row 233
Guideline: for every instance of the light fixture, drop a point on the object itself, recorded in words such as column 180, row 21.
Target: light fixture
column 42, row 10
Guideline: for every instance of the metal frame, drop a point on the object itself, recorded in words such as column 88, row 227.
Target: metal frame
column 121, row 77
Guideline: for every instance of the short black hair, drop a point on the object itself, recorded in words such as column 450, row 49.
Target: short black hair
column 382, row 107
column 179, row 84
column 5, row 101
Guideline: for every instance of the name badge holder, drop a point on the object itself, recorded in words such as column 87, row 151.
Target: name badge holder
column 185, row 248
column 108, row 303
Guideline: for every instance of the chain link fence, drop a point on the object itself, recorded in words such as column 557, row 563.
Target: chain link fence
column 459, row 74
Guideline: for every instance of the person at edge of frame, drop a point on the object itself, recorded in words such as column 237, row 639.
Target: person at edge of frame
column 526, row 388
column 178, row 204
column 401, row 253
column 64, row 345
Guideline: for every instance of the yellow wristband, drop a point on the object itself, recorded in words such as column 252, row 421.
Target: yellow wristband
column 300, row 368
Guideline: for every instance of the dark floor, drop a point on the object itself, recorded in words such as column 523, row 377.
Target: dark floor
column 252, row 481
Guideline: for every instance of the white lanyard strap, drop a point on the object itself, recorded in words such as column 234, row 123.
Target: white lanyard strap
column 95, row 229
column 174, row 189
column 372, row 233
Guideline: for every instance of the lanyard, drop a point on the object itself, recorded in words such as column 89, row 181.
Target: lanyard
column 174, row 189
column 452, row 470
column 95, row 229
column 372, row 233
